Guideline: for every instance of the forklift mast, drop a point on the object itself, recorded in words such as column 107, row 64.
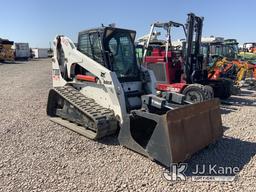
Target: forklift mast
column 194, row 70
column 167, row 26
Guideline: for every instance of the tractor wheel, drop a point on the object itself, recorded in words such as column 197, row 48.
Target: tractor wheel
column 194, row 93
column 209, row 93
column 227, row 88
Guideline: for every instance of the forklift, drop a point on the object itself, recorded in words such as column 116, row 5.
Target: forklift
column 183, row 70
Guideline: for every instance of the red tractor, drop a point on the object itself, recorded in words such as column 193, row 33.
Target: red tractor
column 181, row 68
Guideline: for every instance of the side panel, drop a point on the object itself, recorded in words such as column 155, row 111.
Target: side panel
column 108, row 96
column 152, row 84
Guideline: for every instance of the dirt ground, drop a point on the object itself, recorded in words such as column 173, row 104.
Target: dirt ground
column 39, row 155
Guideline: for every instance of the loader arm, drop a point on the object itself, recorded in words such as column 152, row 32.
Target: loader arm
column 107, row 87
column 72, row 56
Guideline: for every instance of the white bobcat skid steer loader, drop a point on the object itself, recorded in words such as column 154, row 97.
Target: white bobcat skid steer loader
column 99, row 89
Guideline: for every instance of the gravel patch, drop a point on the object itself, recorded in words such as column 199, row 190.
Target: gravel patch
column 39, row 155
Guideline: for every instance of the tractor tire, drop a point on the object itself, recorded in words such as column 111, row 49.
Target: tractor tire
column 209, row 93
column 195, row 93
column 227, row 88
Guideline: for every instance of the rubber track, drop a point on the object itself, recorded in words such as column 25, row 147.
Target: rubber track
column 101, row 120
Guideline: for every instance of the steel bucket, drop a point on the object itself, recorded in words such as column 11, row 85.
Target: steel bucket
column 174, row 136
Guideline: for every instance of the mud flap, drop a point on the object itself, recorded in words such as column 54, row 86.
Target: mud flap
column 174, row 136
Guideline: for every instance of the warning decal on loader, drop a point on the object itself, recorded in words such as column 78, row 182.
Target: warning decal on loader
column 56, row 74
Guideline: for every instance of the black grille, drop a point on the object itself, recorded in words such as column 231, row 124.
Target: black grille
column 159, row 71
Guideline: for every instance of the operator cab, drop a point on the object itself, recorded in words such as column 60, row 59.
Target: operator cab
column 114, row 49
column 211, row 52
column 230, row 49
